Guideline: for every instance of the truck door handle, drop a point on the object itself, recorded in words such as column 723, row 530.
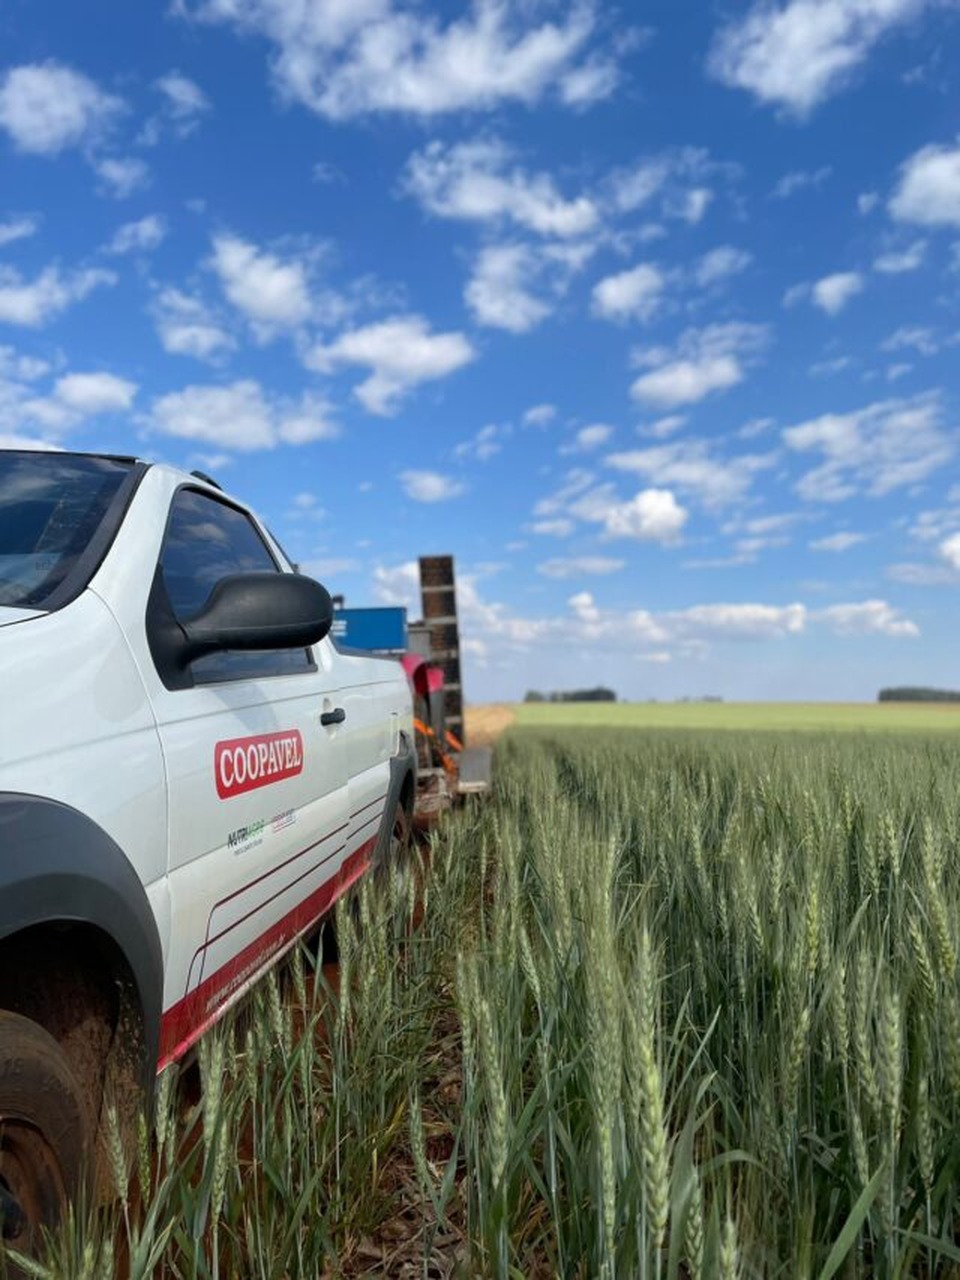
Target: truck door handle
column 336, row 716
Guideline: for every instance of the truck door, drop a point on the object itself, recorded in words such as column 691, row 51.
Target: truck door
column 257, row 785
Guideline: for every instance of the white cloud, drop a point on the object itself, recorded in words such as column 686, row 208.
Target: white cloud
column 187, row 328
column 869, row 617
column 746, row 621
column 559, row 528
column 476, row 182
column 123, row 175
column 45, row 107
column 430, row 486
column 897, row 262
column 36, row 302
column 950, row 551
column 343, row 60
column 720, row 264
column 800, row 180
column 499, row 292
column 592, row 437
column 398, row 585
column 486, row 444
column 540, row 415
column 75, row 397
column 652, row 515
column 929, row 189
column 838, row 542
column 692, row 467
column 271, row 293
column 885, row 446
column 579, row 566
column 140, row 236
column 867, row 201
column 185, row 99
column 241, row 416
column 17, row 229
column 796, row 55
column 89, row 393
column 703, row 362
column 912, row 337
column 832, row 293
column 665, row 427
column 401, row 353
column 630, row 295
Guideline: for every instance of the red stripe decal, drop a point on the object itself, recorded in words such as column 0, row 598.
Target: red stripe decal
column 187, row 1020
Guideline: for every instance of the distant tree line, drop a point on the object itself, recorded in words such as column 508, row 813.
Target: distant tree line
column 919, row 694
column 599, row 694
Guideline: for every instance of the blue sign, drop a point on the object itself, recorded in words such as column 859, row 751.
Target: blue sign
column 376, row 630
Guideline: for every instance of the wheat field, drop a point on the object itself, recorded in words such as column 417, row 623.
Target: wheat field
column 667, row 1006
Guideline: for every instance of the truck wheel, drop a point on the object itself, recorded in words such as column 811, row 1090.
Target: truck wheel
column 394, row 852
column 400, row 835
column 43, row 1132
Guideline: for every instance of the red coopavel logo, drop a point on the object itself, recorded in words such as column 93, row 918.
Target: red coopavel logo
column 243, row 764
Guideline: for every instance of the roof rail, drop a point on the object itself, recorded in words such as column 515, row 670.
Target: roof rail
column 202, row 475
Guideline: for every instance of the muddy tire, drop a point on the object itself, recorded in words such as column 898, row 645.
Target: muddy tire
column 397, row 847
column 43, row 1133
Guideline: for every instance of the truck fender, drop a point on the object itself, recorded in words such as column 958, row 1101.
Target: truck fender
column 56, row 864
column 403, row 773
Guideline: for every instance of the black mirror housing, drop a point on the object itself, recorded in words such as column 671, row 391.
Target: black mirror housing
column 259, row 611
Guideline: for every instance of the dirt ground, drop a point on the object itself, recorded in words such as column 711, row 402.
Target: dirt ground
column 484, row 724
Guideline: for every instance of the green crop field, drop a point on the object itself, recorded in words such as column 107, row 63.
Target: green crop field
column 667, row 1006
column 900, row 717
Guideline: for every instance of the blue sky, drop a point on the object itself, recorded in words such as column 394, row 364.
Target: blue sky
column 650, row 314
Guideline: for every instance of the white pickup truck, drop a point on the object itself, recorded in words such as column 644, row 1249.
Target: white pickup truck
column 190, row 774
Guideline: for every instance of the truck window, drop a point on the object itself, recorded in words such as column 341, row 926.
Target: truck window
column 207, row 540
column 51, row 506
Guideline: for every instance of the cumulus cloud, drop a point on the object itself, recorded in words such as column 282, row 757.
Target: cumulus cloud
column 928, row 192
column 869, row 617
column 90, row 393
column 241, row 416
column 704, row 361
column 17, row 229
column 273, row 294
column 800, row 180
column 832, row 293
column 796, row 55
column 121, row 176
column 430, row 486
column 652, row 515
column 630, row 295
column 950, row 551
column 641, row 633
column 140, row 236
column 74, row 398
column 579, row 566
column 539, row 415
column 186, row 327
column 838, row 542
column 693, row 467
column 720, row 264
column 486, row 444
column 500, row 293
column 371, row 56
column 885, row 446
column 401, row 353
column 47, row 107
column 185, row 99
column 896, row 262
column 479, row 182
column 35, row 303
column 559, row 528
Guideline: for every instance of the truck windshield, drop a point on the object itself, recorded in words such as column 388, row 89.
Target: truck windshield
column 51, row 505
